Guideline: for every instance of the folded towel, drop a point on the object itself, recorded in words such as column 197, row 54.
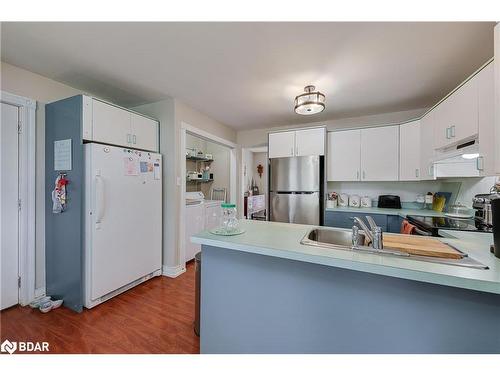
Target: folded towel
column 407, row 228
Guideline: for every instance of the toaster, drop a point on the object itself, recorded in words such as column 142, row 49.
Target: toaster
column 389, row 201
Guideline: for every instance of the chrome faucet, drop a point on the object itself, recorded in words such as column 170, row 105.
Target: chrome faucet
column 374, row 233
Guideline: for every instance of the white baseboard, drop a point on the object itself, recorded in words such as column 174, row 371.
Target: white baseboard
column 40, row 292
column 173, row 271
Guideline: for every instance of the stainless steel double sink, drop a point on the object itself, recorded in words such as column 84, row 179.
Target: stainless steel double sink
column 341, row 239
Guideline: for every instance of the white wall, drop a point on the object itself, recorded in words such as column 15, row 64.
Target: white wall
column 260, row 158
column 462, row 189
column 44, row 90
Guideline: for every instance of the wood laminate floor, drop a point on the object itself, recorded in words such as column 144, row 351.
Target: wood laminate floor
column 154, row 317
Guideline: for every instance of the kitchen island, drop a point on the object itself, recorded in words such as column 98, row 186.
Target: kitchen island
column 265, row 292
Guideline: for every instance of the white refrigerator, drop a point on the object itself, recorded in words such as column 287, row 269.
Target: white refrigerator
column 123, row 220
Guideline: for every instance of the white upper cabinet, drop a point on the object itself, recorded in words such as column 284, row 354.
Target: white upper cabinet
column 456, row 117
column 310, row 142
column 110, row 124
column 144, row 132
column 344, row 155
column 427, row 124
column 297, row 143
column 409, row 151
column 282, row 144
column 117, row 126
column 380, row 153
column 486, row 120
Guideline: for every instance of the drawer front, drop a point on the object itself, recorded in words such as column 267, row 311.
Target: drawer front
column 344, row 219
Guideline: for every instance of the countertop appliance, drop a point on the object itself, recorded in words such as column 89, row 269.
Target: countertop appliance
column 296, row 189
column 481, row 203
column 389, row 201
column 432, row 225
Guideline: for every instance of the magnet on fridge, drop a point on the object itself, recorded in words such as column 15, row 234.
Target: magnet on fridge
column 156, row 171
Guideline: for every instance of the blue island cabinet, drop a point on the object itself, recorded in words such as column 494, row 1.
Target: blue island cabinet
column 339, row 219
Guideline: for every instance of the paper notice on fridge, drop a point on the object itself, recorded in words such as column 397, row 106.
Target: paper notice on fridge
column 62, row 155
column 131, row 167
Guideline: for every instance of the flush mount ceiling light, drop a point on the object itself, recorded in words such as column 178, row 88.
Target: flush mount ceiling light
column 310, row 102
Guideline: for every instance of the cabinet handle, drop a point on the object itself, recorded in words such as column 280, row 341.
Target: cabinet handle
column 416, row 172
column 128, row 138
column 448, row 133
column 134, row 138
column 480, row 163
column 364, row 175
column 357, row 175
column 452, row 131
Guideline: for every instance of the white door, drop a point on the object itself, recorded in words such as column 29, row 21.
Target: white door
column 125, row 217
column 344, row 155
column 427, row 124
column 310, row 142
column 111, row 124
column 281, row 145
column 9, row 206
column 144, row 132
column 409, row 151
column 380, row 154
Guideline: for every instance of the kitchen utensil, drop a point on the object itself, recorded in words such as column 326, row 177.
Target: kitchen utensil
column 389, row 201
column 420, row 245
column 354, row 201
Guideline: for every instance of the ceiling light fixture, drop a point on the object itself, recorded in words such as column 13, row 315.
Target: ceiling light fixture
column 310, row 102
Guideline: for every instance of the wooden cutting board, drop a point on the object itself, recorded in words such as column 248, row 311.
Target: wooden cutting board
column 420, row 245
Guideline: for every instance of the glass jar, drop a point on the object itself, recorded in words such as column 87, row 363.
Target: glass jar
column 229, row 222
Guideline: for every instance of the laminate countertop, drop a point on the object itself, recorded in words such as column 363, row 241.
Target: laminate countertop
column 282, row 240
column 402, row 212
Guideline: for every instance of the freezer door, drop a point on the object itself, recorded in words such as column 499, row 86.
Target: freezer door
column 295, row 174
column 124, row 217
column 298, row 208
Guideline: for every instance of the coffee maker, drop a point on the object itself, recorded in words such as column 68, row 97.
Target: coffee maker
column 483, row 212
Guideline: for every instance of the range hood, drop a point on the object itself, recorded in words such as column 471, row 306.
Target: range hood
column 460, row 160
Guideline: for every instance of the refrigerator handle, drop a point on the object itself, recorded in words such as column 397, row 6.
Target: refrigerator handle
column 99, row 205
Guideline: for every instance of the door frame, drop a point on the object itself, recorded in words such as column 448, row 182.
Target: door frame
column 233, row 148
column 27, row 191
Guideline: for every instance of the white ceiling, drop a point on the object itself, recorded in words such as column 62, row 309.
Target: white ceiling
column 246, row 74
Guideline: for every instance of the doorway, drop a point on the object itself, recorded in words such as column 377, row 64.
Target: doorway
column 17, row 200
column 254, row 176
column 219, row 155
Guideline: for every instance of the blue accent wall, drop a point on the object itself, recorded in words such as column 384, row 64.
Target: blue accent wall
column 260, row 304
column 64, row 231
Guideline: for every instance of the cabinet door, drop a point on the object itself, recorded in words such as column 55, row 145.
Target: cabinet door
column 486, row 120
column 281, row 145
column 441, row 124
column 463, row 122
column 380, row 154
column 409, row 151
column 427, row 125
column 343, row 156
column 144, row 133
column 310, row 142
column 110, row 124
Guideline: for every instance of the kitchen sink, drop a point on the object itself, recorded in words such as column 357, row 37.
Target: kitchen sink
column 341, row 239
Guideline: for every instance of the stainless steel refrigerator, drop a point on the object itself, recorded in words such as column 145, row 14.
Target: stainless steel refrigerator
column 296, row 189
